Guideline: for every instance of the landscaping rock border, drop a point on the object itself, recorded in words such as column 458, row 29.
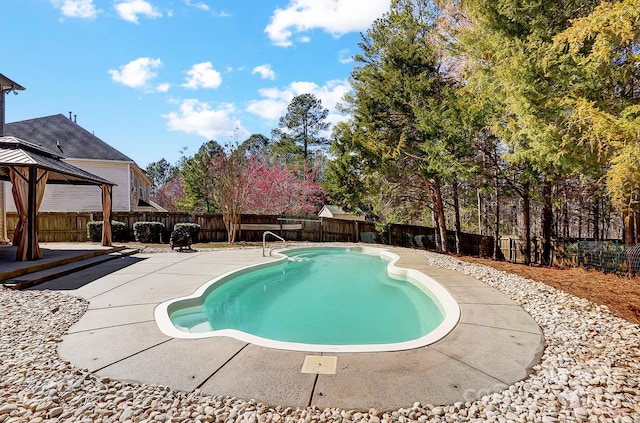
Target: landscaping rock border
column 589, row 372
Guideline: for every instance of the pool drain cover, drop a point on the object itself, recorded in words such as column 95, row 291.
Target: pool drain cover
column 322, row 365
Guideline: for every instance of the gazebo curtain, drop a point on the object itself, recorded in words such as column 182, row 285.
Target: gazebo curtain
column 106, row 214
column 20, row 182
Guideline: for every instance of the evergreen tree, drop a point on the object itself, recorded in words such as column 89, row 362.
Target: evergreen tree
column 397, row 98
column 160, row 173
column 595, row 62
column 198, row 186
column 255, row 145
column 345, row 179
column 305, row 121
column 506, row 47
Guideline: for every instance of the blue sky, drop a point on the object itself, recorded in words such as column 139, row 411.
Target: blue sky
column 152, row 77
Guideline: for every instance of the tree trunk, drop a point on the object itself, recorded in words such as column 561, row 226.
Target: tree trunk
column 456, row 210
column 232, row 223
column 580, row 220
column 496, row 222
column 526, row 221
column 629, row 228
column 565, row 218
column 547, row 222
column 595, row 209
column 438, row 208
column 436, row 225
column 479, row 213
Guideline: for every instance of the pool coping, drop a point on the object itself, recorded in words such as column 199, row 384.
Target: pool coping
column 447, row 304
column 494, row 344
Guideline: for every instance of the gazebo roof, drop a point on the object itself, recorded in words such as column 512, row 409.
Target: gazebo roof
column 8, row 84
column 17, row 152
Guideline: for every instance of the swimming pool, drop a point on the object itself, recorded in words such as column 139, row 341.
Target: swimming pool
column 318, row 299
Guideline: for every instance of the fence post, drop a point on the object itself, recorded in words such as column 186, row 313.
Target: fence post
column 617, row 257
column 578, row 259
column 511, row 250
column 355, row 233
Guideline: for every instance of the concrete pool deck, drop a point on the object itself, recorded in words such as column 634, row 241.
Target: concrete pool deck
column 495, row 343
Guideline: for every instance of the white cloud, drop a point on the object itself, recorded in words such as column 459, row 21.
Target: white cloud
column 275, row 101
column 345, row 57
column 136, row 73
column 270, row 108
column 130, row 9
column 202, row 75
column 196, row 117
column 163, row 87
column 76, row 8
column 198, row 5
column 265, row 72
column 336, row 17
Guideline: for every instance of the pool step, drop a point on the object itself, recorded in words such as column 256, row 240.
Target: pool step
column 31, row 279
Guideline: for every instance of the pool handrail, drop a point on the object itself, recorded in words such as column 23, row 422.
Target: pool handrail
column 264, row 241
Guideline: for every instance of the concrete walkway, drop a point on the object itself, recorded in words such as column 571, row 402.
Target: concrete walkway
column 495, row 343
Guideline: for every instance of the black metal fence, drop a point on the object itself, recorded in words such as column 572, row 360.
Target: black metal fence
column 610, row 256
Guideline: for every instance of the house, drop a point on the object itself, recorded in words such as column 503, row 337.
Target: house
column 84, row 150
column 336, row 212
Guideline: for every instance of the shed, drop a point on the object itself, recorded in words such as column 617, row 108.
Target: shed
column 336, row 212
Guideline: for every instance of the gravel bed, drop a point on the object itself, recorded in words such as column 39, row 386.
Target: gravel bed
column 590, row 370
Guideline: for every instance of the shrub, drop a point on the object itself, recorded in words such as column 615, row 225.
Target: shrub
column 118, row 231
column 147, row 232
column 192, row 228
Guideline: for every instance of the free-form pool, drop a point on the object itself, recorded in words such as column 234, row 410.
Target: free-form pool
column 318, row 299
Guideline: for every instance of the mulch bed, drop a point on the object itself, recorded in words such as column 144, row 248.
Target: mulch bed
column 620, row 293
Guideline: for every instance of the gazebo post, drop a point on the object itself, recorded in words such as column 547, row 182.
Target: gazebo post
column 32, row 215
column 107, row 209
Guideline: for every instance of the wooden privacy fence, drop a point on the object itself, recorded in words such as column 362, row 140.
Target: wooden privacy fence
column 72, row 227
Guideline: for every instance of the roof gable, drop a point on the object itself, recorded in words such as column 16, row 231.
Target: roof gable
column 334, row 209
column 58, row 133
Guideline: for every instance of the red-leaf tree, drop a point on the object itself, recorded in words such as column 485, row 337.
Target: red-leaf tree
column 276, row 189
column 170, row 195
column 239, row 182
column 231, row 183
column 253, row 185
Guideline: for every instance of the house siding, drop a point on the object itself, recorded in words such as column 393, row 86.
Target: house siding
column 75, row 198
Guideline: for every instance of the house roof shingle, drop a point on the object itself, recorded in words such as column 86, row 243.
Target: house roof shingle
column 68, row 139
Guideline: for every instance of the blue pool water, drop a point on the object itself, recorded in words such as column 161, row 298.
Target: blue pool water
column 318, row 296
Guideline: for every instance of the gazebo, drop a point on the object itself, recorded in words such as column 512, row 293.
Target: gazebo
column 30, row 167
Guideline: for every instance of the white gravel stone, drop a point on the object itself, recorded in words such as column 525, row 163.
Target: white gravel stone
column 589, row 370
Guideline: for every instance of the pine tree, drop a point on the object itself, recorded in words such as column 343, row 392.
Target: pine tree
column 398, row 91
column 305, row 122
